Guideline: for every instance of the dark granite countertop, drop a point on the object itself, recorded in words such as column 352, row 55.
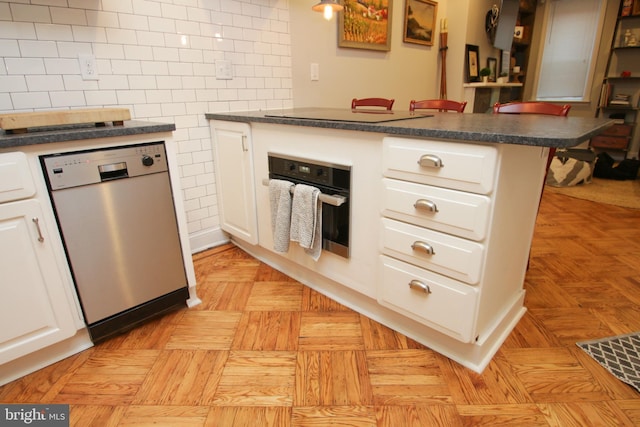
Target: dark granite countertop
column 535, row 130
column 78, row 132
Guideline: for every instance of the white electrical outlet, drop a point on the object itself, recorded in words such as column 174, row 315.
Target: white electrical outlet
column 223, row 70
column 315, row 72
column 88, row 67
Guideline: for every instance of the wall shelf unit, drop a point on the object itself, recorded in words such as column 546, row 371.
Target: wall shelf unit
column 620, row 95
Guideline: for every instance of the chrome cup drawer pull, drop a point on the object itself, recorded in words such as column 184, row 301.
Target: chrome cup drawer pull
column 430, row 161
column 426, row 205
column 418, row 285
column 423, row 246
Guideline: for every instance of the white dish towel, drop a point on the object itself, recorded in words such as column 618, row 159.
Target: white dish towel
column 280, row 203
column 306, row 219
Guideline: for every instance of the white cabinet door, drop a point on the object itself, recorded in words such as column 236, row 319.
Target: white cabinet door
column 235, row 179
column 34, row 309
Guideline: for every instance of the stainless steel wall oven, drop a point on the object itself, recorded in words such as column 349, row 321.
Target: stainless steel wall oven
column 334, row 181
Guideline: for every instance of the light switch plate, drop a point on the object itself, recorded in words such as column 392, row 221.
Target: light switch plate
column 315, row 71
column 223, row 70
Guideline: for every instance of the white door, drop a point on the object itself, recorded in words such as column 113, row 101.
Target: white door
column 34, row 309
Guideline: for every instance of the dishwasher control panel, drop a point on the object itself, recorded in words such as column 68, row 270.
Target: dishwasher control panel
column 73, row 169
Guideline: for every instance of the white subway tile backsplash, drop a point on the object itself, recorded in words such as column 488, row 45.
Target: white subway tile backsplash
column 169, row 82
column 194, row 193
column 166, row 54
column 6, row 105
column 185, row 95
column 108, row 51
column 131, row 96
column 155, row 57
column 64, row 15
column 71, row 50
column 150, row 38
column 75, row 82
column 101, row 97
column 180, row 69
column 173, row 109
column 187, row 27
column 138, row 52
column 121, row 36
column 24, row 66
column 153, row 68
column 17, row 30
column 159, row 96
column 204, row 69
column 133, row 22
column 13, row 84
column 124, row 6
column 5, row 12
column 125, row 67
column 61, row 66
column 9, row 48
column 29, row 13
column 113, row 82
column 147, row 8
column 141, row 82
column 190, row 55
column 88, row 34
column 165, row 25
column 98, row 18
column 59, row 3
column 144, row 111
column 44, row 83
column 186, row 122
column 30, row 100
column 54, row 32
column 67, row 99
column 85, row 4
column 173, row 11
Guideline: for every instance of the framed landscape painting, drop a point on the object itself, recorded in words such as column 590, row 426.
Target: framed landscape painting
column 420, row 21
column 365, row 24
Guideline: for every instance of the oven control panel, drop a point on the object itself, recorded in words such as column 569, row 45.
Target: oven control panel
column 309, row 171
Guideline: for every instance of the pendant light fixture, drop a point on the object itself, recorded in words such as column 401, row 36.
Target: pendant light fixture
column 327, row 7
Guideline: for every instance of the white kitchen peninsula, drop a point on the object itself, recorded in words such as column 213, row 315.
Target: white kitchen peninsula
column 443, row 210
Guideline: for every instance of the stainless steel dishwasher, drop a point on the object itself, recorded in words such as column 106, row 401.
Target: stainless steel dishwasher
column 116, row 215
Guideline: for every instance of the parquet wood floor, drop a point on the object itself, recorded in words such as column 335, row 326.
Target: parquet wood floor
column 264, row 350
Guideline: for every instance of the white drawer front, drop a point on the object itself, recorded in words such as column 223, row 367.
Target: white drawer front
column 454, row 212
column 454, row 257
column 466, row 167
column 448, row 306
column 15, row 177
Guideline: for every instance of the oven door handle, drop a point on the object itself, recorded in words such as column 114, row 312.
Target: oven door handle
column 329, row 199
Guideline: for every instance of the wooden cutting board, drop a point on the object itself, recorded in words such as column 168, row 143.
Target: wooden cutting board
column 23, row 122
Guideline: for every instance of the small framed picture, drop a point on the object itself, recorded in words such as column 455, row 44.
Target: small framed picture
column 472, row 66
column 492, row 64
column 505, row 62
column 420, row 21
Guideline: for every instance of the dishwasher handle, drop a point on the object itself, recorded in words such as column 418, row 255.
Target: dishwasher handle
column 113, row 171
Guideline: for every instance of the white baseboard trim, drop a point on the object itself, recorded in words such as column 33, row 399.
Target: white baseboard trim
column 29, row 363
column 207, row 239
